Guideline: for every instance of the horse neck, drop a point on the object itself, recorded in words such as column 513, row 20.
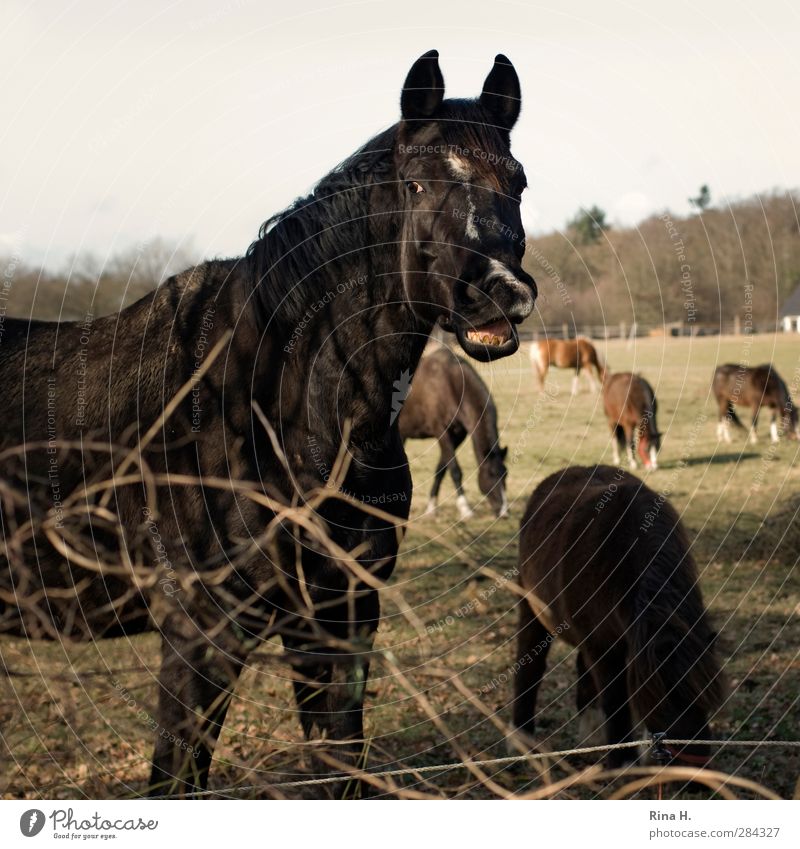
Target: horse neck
column 480, row 419
column 352, row 360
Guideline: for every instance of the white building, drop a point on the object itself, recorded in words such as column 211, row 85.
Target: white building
column 790, row 313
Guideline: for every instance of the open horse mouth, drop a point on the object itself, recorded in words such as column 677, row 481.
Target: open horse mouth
column 489, row 341
column 495, row 333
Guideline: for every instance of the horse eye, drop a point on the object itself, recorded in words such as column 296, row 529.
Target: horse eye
column 414, row 187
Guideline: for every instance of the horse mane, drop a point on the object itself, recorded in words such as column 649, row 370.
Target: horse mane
column 292, row 257
column 672, row 640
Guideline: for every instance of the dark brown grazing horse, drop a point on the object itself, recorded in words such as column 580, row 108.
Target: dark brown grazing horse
column 606, row 565
column 333, row 301
column 754, row 387
column 578, row 354
column 448, row 401
column 631, row 407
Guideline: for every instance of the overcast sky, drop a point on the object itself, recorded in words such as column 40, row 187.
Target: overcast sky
column 196, row 120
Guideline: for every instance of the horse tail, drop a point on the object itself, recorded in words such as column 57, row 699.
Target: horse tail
column 672, row 657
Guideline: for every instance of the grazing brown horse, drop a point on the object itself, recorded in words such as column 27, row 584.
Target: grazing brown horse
column 448, row 401
column 606, row 565
column 332, row 302
column 631, row 407
column 754, row 387
column 578, row 354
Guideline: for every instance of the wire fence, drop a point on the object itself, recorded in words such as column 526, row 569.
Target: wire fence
column 652, row 744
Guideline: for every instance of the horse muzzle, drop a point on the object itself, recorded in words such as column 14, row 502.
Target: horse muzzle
column 485, row 322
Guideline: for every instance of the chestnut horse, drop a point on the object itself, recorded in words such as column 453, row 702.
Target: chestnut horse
column 754, row 387
column 631, row 407
column 605, row 564
column 578, row 354
column 448, row 401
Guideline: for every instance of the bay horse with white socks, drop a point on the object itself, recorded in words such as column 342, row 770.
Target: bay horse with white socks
column 754, row 387
column 578, row 354
column 606, row 565
column 333, row 301
column 630, row 406
column 448, row 402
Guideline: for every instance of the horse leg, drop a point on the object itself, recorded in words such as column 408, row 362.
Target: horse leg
column 438, row 477
column 617, row 443
column 539, row 367
column 329, row 688
column 753, row 437
column 773, row 427
column 533, row 644
column 449, row 442
column 630, row 437
column 195, row 688
column 587, row 701
column 611, row 674
column 576, row 381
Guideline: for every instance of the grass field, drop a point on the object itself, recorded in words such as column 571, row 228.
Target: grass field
column 78, row 736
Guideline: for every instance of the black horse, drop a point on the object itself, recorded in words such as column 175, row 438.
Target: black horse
column 284, row 354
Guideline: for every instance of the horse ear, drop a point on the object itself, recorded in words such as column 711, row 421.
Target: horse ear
column 423, row 90
column 502, row 96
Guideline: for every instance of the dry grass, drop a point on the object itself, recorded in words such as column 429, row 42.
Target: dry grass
column 69, row 733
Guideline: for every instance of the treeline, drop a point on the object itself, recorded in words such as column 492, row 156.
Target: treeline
column 86, row 284
column 706, row 269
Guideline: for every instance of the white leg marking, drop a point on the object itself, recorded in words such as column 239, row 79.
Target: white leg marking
column 504, row 505
column 615, row 450
column 464, row 510
column 753, row 437
column 431, row 508
column 727, row 432
column 653, row 457
column 575, row 385
column 631, row 458
column 773, row 431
